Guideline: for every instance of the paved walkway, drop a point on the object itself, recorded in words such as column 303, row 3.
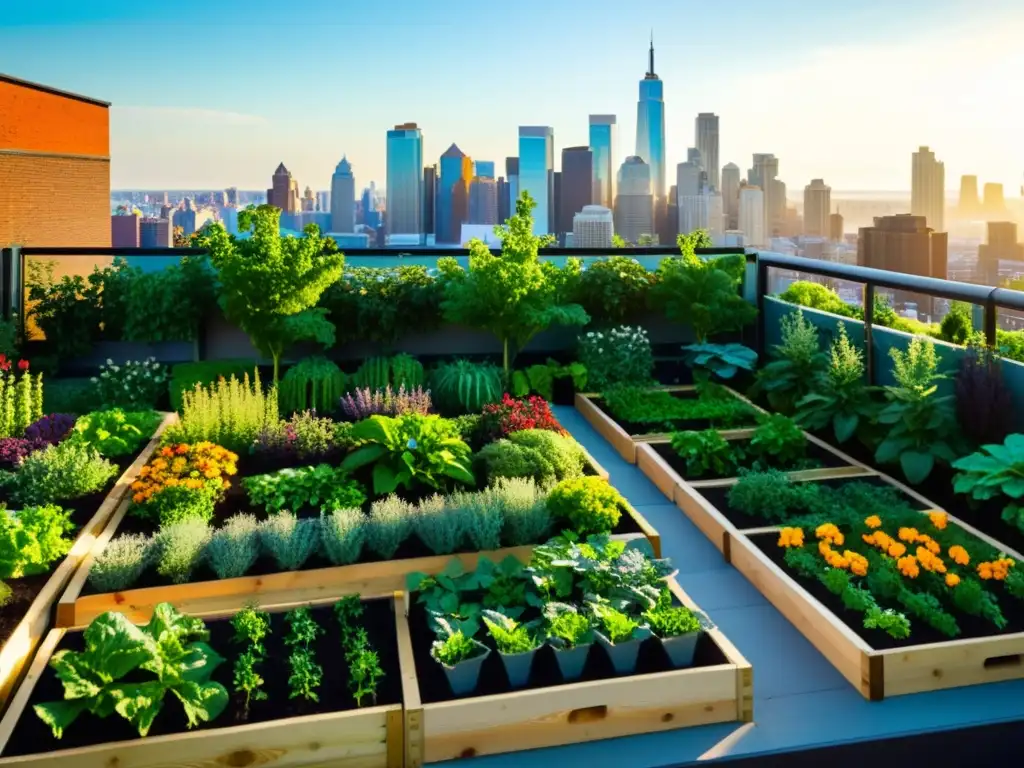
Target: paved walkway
column 800, row 700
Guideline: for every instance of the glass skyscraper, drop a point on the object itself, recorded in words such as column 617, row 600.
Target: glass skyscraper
column 405, row 180
column 537, row 173
column 650, row 127
column 484, row 169
column 602, row 145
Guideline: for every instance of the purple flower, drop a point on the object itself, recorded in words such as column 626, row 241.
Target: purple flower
column 363, row 403
column 51, row 429
column 14, row 449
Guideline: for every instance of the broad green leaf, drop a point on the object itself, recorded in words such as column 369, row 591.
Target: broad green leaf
column 362, row 456
column 59, row 715
column 1014, row 488
column 140, row 703
column 844, row 424
column 385, row 481
column 202, row 702
column 917, row 465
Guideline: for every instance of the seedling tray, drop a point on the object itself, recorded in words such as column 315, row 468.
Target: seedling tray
column 368, row 737
column 27, row 634
column 717, row 689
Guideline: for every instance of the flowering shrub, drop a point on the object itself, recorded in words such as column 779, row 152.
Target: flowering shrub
column 14, row 449
column 512, row 415
column 303, row 436
column 183, row 481
column 619, row 356
column 51, row 428
column 363, row 403
column 21, row 397
column 135, row 386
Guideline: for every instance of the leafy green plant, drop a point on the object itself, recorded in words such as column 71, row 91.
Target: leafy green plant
column 769, row 495
column 230, row 413
column 269, row 284
column 252, row 626
column 180, row 547
column 589, row 504
column 116, row 432
column 541, row 378
column 62, row 472
column 660, row 411
column 620, row 355
column 523, row 508
column 409, row 450
column 364, row 672
column 922, row 424
column 321, row 487
column 110, row 674
column 462, row 386
column 33, row 538
column 454, row 648
column 614, row 290
column 994, row 472
column 313, row 382
column 567, row 627
column 513, row 296
column 407, row 371
column 721, row 360
column 342, row 535
column 779, row 440
column 540, row 454
column 391, row 522
column 958, row 324
column 617, row 626
column 509, row 635
column 234, row 547
column 247, row 680
column 121, row 563
column 840, row 398
column 817, row 296
column 706, row 453
column 798, row 364
column 67, row 311
column 672, row 621
column 303, row 629
column 306, row 675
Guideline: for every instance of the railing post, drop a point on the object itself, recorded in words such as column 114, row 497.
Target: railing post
column 761, row 287
column 990, row 321
column 6, row 282
column 869, row 344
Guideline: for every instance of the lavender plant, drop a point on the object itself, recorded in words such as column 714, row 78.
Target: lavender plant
column 363, row 403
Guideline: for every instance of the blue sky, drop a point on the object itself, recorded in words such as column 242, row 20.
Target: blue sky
column 216, row 94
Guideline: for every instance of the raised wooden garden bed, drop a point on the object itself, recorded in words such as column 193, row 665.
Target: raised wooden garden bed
column 216, row 596
column 718, row 689
column 620, row 439
column 23, row 640
column 367, row 737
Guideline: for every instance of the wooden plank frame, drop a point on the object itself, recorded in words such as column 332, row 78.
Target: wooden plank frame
column 21, row 645
column 576, row 712
column 370, row 737
column 624, row 443
column 204, row 597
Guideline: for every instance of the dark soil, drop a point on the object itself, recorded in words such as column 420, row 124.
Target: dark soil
column 814, row 457
column 668, row 425
column 938, row 488
column 25, row 589
column 920, row 633
column 31, row 736
column 434, row 685
column 719, row 497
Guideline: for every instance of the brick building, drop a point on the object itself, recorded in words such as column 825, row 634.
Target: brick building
column 54, row 167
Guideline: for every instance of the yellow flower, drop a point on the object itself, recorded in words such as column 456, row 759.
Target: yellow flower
column 908, row 567
column 939, row 519
column 791, row 537
column 873, row 522
column 952, row 579
column 959, row 555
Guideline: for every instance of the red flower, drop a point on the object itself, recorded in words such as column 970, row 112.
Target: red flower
column 512, row 415
column 5, row 365
column 23, row 365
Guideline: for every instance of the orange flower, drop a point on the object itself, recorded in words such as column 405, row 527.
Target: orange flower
column 959, row 555
column 908, row 567
column 138, row 497
column 791, row 537
column 896, row 549
column 929, row 561
column 824, row 549
column 873, row 522
column 858, row 563
column 939, row 519
column 997, row 569
column 830, row 533
column 166, row 451
column 909, row 534
column 952, row 579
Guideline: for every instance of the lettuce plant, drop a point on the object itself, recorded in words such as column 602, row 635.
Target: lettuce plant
column 995, row 472
column 129, row 670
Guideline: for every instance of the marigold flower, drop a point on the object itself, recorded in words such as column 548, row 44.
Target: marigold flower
column 909, row 534
column 830, row 533
column 137, row 498
column 896, row 549
column 791, row 537
column 824, row 549
column 952, row 579
column 939, row 519
column 873, row 522
column 959, row 555
column 929, row 561
column 166, row 451
column 908, row 567
column 997, row 569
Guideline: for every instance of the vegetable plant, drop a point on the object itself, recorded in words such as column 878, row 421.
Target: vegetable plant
column 996, row 471
column 706, row 453
column 129, row 670
column 251, row 627
column 797, row 365
column 453, row 646
column 589, row 504
column 115, row 432
column 303, row 629
column 779, row 440
column 246, row 679
column 840, row 399
column 567, row 627
column 721, row 360
column 306, row 675
column 33, row 538
column 509, row 635
column 667, row 620
column 410, row 450
column 922, row 424
column 321, row 487
column 617, row 626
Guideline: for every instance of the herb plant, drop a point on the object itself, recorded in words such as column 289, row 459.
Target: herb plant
column 246, row 679
column 539, row 454
column 121, row 563
column 251, row 627
column 452, row 646
column 982, row 397
column 303, row 629
column 110, row 674
column 229, row 413
column 779, row 441
column 61, row 472
column 321, row 487
column 306, row 675
column 995, row 472
column 617, row 626
column 589, row 504
column 566, row 627
column 364, row 403
column 706, row 453
column 509, row 635
column 797, row 365
column 672, row 621
column 304, row 437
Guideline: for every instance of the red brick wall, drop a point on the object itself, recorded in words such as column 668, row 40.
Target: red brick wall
column 54, row 169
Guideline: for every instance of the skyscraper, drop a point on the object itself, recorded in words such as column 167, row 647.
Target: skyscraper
column 1002, row 245
column 634, row 203
column 577, row 185
column 903, row 243
column 284, row 192
column 343, row 198
column 484, row 169
column 928, row 190
column 456, row 171
column 751, row 216
column 731, row 195
column 512, row 179
column 483, row 200
column 650, row 126
column 970, row 205
column 405, row 180
column 602, row 146
column 537, row 173
column 430, row 199
column 308, row 200
column 124, row 230
column 503, row 200
column 835, row 227
column 707, row 143
column 690, row 184
column 817, row 208
column 593, row 227
column 763, row 176
column 156, row 233
column 994, row 203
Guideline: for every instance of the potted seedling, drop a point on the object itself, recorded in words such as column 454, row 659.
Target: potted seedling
column 517, row 644
column 570, row 635
column 676, row 627
column 460, row 656
column 620, row 635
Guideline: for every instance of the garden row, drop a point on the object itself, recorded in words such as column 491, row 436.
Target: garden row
column 897, row 593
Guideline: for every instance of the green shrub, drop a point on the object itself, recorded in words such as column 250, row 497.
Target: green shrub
column 32, row 538
column 540, row 454
column 115, row 432
column 439, row 526
column 229, row 413
column 817, row 296
column 180, row 547
column 614, row 290
column 314, row 382
column 524, row 511
column 391, row 522
column 373, row 373
column 289, row 540
column 136, row 385
column 121, row 563
column 62, row 472
column 235, row 547
column 589, row 504
column 321, row 487
column 185, row 376
column 462, row 386
column 342, row 534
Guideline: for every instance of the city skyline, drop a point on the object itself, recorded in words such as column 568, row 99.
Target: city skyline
column 834, row 95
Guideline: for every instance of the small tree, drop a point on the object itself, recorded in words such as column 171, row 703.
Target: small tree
column 514, row 295
column 269, row 284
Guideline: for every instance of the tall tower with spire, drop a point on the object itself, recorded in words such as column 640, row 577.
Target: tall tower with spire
column 343, row 198
column 650, row 126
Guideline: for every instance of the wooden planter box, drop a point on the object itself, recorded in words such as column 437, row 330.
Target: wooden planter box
column 716, row 526
column 17, row 651
column 370, row 737
column 879, row 674
column 207, row 597
column 573, row 713
column 625, row 443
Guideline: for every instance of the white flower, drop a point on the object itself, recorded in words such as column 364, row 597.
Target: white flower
column 94, row 380
column 109, row 361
